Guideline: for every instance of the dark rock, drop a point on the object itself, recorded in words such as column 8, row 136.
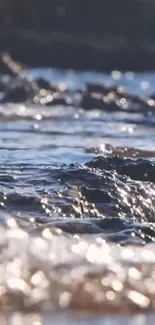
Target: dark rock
column 16, row 95
column 44, row 84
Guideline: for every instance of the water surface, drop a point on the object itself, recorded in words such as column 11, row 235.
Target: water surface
column 77, row 195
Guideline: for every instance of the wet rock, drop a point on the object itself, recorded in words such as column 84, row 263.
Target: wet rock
column 44, row 84
column 16, row 95
column 139, row 169
column 95, row 195
column 111, row 99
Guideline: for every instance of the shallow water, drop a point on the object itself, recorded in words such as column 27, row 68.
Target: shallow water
column 77, row 194
column 74, row 319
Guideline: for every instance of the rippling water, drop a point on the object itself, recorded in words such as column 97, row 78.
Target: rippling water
column 77, row 195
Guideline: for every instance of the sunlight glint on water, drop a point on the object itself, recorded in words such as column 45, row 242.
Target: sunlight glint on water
column 77, row 199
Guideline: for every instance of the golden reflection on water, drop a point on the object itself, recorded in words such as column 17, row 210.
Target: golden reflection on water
column 52, row 270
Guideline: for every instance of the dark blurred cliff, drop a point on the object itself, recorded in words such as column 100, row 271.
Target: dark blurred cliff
column 83, row 34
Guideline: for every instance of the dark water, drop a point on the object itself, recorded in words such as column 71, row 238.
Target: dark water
column 77, row 195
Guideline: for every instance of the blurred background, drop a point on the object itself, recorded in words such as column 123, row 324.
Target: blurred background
column 89, row 34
